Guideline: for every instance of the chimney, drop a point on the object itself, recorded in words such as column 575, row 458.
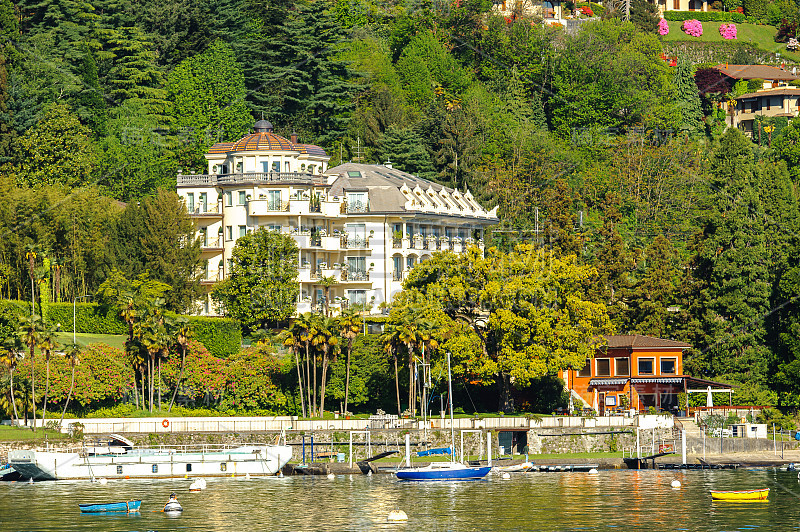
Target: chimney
column 388, row 164
column 294, row 137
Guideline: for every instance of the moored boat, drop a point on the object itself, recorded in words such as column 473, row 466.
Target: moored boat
column 127, row 506
column 118, row 458
column 443, row 471
column 516, row 468
column 740, row 495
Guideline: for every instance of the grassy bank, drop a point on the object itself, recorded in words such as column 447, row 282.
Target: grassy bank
column 84, row 339
column 762, row 37
column 22, row 434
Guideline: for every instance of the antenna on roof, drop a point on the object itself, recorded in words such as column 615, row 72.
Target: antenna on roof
column 358, row 157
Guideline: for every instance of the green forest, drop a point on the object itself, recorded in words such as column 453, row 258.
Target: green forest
column 602, row 157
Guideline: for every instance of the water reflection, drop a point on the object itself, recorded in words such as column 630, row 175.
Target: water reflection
column 625, row 500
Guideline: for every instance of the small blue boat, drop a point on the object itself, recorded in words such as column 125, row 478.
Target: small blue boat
column 129, row 506
column 443, row 471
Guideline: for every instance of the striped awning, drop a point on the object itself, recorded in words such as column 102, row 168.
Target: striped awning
column 607, row 382
column 659, row 380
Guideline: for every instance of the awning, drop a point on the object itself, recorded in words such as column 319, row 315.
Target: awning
column 659, row 380
column 607, row 382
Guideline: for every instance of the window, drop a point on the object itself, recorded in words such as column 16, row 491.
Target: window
column 276, row 166
column 203, row 202
column 397, row 265
column 356, row 235
column 242, row 197
column 155, row 468
column 409, row 263
column 286, row 166
column 586, row 370
column 357, row 202
column 242, row 230
column 223, row 466
column 228, row 232
column 769, row 102
column 265, row 166
column 190, row 202
column 275, row 228
column 621, row 366
column 645, row 366
column 188, row 468
column 119, row 470
column 274, row 200
column 668, row 366
column 228, row 198
column 353, row 173
column 357, row 268
column 357, row 297
column 603, row 367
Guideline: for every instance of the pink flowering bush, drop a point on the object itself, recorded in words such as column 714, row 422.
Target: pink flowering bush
column 693, row 27
column 728, row 31
column 663, row 27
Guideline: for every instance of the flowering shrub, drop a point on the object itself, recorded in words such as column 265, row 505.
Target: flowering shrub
column 663, row 27
column 693, row 27
column 587, row 11
column 728, row 31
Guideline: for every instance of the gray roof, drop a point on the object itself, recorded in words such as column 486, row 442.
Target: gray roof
column 382, row 182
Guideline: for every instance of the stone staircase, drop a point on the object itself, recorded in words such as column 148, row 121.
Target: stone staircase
column 691, row 428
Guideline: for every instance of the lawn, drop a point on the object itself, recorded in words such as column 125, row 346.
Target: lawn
column 8, row 433
column 114, row 340
column 761, row 36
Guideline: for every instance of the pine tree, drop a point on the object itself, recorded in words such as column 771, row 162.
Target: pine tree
column 560, row 232
column 8, row 27
column 688, row 97
column 730, row 268
column 612, row 261
column 406, row 150
column 457, row 149
column 90, row 105
column 656, row 291
column 644, row 15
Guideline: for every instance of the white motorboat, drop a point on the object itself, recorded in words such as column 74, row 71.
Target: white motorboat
column 516, row 468
column 118, row 458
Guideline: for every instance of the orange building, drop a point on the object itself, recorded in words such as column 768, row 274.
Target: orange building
column 635, row 371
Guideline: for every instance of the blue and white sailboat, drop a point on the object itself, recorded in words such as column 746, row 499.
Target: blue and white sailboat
column 445, row 470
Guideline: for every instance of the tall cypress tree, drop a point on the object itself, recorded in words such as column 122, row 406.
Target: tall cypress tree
column 688, row 97
column 89, row 103
column 656, row 291
column 612, row 261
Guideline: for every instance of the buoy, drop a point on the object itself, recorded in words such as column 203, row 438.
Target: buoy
column 593, row 471
column 280, row 474
column 396, row 516
column 247, row 476
column 103, row 481
column 676, row 483
column 369, row 473
column 30, row 481
column 331, row 476
column 506, row 476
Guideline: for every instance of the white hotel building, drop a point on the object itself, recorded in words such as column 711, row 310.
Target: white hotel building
column 365, row 225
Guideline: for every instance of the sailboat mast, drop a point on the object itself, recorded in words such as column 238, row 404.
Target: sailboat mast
column 450, row 398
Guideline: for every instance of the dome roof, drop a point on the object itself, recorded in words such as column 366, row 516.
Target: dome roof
column 310, row 149
column 262, row 141
column 263, row 126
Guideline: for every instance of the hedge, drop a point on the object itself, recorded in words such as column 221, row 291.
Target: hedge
column 90, row 318
column 597, row 9
column 708, row 16
column 221, row 336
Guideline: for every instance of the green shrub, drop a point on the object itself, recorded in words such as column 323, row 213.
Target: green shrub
column 221, row 336
column 597, row 9
column 90, row 318
column 755, row 8
column 705, row 16
column 9, row 310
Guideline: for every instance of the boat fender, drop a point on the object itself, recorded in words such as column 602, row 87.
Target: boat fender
column 103, row 481
column 593, row 471
column 506, row 476
column 676, row 484
column 331, row 476
column 165, row 423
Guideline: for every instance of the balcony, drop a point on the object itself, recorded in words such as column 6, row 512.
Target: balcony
column 250, row 178
column 211, row 244
column 355, row 276
column 205, row 211
column 354, row 242
column 354, row 207
column 397, row 243
column 211, row 278
column 266, row 207
column 397, row 275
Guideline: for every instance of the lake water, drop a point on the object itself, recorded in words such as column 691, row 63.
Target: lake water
column 617, row 499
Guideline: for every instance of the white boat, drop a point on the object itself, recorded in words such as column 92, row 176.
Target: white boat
column 516, row 468
column 118, row 458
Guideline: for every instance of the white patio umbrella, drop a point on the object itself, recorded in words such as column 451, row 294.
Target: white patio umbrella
column 594, row 402
column 709, row 398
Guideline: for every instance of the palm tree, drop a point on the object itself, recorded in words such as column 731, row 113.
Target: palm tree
column 10, row 353
column 327, row 339
column 48, row 342
column 290, row 340
column 72, row 353
column 182, row 333
column 327, row 282
column 30, row 327
column 350, row 327
column 390, row 345
column 408, row 333
column 305, row 329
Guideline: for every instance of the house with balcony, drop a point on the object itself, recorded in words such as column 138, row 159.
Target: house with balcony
column 359, row 228
column 773, row 97
column 682, row 5
column 635, row 372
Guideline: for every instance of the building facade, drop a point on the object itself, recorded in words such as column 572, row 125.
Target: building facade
column 635, row 372
column 359, row 228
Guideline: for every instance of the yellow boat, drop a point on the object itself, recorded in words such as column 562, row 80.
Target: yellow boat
column 744, row 495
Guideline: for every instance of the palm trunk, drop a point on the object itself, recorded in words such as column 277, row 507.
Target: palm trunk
column 143, row 381
column 324, row 375
column 13, row 398
column 347, row 378
column 397, row 383
column 308, row 381
column 180, row 378
column 33, row 387
column 69, row 395
column 150, row 381
column 300, row 382
column 410, row 381
column 159, row 384
column 46, row 388
column 314, row 367
column 136, row 387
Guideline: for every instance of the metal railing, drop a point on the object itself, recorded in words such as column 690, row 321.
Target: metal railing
column 211, row 242
column 250, row 178
column 355, row 275
column 204, row 209
column 397, row 275
column 354, row 242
